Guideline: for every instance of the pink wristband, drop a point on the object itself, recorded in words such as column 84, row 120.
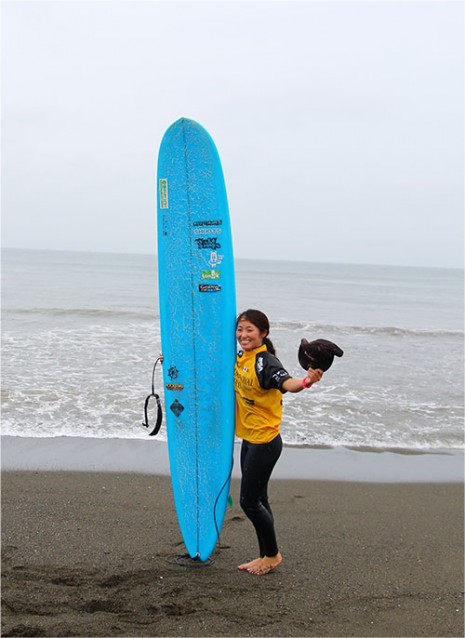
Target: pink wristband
column 304, row 383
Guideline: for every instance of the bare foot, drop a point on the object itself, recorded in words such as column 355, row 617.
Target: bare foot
column 247, row 566
column 265, row 565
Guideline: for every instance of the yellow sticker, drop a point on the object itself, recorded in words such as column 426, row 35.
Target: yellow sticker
column 174, row 386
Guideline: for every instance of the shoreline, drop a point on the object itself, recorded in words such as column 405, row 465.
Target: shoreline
column 79, row 454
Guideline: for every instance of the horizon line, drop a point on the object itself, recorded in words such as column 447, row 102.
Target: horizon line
column 236, row 258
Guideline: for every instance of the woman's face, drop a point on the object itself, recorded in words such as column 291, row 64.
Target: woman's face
column 248, row 335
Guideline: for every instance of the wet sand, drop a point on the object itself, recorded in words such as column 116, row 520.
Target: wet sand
column 100, row 554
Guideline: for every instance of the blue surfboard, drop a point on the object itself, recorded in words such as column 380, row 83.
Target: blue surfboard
column 197, row 317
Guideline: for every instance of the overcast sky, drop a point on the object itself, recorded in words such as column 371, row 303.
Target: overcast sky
column 340, row 125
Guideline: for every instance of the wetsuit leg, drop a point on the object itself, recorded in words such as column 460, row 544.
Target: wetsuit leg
column 257, row 463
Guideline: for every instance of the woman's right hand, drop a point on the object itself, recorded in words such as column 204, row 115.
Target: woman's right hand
column 314, row 376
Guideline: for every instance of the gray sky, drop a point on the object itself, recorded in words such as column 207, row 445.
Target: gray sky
column 340, row 125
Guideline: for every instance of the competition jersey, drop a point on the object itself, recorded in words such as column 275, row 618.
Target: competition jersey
column 258, row 379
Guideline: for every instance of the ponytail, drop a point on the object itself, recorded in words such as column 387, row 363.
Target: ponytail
column 269, row 345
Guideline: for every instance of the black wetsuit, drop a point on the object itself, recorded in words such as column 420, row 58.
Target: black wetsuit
column 257, row 463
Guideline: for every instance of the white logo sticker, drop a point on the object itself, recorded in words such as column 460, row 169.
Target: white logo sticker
column 215, row 259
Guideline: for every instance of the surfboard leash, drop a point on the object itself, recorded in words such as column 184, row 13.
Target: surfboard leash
column 156, row 396
column 216, row 503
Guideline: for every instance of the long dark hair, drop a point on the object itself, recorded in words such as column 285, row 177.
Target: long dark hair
column 260, row 321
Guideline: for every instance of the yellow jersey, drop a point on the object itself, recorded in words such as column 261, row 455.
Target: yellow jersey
column 258, row 379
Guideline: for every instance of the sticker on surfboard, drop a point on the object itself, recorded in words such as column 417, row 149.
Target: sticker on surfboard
column 211, row 274
column 209, row 288
column 163, row 193
column 176, row 407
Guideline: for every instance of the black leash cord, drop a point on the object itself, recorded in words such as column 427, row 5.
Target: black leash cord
column 218, row 498
column 157, row 427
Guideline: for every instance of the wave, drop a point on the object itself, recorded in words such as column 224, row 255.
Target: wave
column 293, row 326
column 409, row 447
column 395, row 331
column 91, row 313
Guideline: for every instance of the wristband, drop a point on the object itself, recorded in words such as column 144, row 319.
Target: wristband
column 304, row 383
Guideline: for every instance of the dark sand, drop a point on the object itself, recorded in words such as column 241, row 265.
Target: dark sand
column 89, row 554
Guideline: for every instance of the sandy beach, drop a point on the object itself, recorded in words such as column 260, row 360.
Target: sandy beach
column 100, row 554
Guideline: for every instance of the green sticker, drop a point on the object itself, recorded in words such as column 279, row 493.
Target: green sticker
column 163, row 193
column 211, row 274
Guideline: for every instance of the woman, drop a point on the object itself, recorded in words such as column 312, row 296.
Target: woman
column 259, row 382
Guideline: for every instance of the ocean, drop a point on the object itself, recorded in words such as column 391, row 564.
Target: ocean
column 80, row 334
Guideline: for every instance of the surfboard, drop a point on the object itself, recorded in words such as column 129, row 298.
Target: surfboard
column 197, row 318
